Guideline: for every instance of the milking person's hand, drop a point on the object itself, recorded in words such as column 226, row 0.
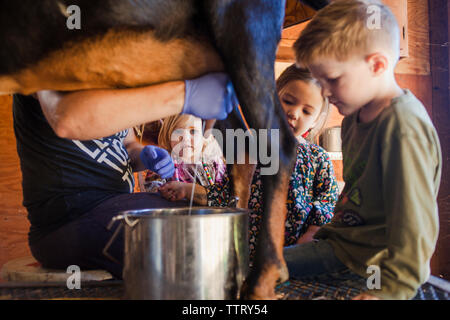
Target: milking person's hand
column 158, row 160
column 210, row 97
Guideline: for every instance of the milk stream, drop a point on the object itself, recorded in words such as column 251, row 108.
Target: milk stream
column 195, row 179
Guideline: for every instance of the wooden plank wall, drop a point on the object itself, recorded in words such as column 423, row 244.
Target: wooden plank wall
column 296, row 12
column 440, row 58
column 13, row 221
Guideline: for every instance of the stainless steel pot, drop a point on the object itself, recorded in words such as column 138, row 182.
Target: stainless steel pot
column 180, row 254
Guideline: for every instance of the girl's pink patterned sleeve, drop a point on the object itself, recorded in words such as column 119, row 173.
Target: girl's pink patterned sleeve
column 221, row 169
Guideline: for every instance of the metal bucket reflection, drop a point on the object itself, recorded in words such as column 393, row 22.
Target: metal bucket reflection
column 331, row 140
column 178, row 254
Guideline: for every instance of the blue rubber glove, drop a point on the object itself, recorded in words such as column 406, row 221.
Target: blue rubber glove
column 210, row 97
column 158, row 160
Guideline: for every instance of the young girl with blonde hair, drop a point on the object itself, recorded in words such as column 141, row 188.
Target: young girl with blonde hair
column 196, row 158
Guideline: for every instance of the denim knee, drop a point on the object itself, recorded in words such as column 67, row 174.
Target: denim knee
column 311, row 259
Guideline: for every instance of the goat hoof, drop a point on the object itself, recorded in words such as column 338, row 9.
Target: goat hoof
column 262, row 287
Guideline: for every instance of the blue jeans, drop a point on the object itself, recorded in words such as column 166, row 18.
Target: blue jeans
column 81, row 241
column 316, row 261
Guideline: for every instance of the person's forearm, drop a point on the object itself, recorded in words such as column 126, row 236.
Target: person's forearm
column 92, row 114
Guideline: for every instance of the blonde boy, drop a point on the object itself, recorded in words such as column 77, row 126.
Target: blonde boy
column 386, row 220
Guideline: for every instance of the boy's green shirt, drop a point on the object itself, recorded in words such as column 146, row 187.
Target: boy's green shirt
column 387, row 215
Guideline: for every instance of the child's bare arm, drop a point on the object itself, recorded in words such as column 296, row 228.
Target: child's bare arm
column 200, row 196
column 176, row 191
column 365, row 296
column 308, row 236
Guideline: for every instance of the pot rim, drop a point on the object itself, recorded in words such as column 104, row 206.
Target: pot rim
column 174, row 213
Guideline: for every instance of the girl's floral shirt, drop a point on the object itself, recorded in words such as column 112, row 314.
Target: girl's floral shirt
column 312, row 195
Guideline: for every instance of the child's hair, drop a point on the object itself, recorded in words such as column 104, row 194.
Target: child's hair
column 212, row 161
column 210, row 149
column 293, row 73
column 348, row 27
column 168, row 126
column 148, row 132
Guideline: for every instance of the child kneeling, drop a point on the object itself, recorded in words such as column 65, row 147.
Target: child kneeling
column 386, row 219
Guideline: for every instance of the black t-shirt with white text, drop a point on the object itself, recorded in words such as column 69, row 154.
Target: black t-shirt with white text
column 62, row 178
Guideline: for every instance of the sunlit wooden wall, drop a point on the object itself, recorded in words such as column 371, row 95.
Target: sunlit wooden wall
column 13, row 221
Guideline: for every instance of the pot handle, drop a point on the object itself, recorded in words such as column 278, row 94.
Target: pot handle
column 124, row 217
column 114, row 236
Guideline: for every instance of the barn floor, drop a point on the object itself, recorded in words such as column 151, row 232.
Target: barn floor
column 114, row 290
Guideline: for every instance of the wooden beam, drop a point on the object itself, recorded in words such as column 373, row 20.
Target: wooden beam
column 289, row 36
column 296, row 13
column 418, row 37
column 416, row 57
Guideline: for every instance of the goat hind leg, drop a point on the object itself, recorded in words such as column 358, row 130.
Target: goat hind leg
column 249, row 59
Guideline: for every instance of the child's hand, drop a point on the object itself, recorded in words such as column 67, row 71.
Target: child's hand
column 365, row 296
column 174, row 190
column 151, row 176
column 308, row 236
